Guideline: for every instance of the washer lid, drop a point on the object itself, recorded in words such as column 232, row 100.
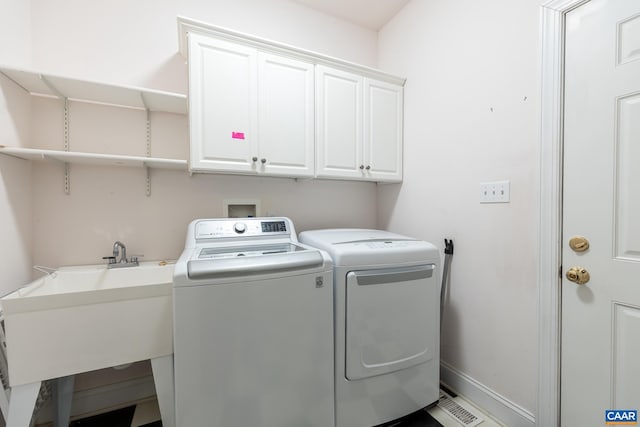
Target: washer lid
column 359, row 247
column 241, row 264
column 218, row 252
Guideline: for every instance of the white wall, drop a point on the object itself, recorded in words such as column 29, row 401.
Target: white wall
column 136, row 43
column 15, row 175
column 471, row 115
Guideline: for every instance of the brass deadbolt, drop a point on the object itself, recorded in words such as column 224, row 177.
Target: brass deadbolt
column 578, row 275
column 579, row 243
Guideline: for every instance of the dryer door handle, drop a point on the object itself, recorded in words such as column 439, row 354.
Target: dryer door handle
column 394, row 275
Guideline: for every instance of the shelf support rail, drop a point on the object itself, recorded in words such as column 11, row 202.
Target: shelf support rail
column 148, row 136
column 51, row 86
column 67, row 179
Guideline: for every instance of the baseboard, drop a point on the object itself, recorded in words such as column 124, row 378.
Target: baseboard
column 97, row 400
column 488, row 400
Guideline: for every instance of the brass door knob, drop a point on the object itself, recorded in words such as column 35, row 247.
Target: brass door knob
column 579, row 243
column 578, row 275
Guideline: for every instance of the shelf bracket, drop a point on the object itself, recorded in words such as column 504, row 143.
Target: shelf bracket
column 52, row 87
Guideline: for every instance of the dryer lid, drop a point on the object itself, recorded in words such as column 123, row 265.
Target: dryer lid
column 350, row 235
column 364, row 247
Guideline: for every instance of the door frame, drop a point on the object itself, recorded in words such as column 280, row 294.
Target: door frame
column 552, row 15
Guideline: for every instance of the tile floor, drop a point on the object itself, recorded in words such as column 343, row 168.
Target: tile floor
column 148, row 412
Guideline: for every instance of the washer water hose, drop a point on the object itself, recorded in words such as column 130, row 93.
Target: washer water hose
column 448, row 254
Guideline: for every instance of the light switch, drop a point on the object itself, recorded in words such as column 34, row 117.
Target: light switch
column 494, row 192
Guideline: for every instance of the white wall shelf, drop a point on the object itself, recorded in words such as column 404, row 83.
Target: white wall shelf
column 94, row 158
column 68, row 89
column 40, row 84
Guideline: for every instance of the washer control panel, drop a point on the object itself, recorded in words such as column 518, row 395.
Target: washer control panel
column 239, row 227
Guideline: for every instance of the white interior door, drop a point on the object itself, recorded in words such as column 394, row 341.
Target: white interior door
column 601, row 318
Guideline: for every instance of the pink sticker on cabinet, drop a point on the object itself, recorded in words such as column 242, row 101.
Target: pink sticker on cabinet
column 237, row 135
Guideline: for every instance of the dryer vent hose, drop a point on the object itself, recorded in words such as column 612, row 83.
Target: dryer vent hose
column 448, row 254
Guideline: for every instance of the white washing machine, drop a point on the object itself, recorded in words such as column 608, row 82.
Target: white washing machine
column 253, row 327
column 387, row 324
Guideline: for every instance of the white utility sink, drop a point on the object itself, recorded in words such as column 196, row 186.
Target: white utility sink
column 79, row 319
column 91, row 284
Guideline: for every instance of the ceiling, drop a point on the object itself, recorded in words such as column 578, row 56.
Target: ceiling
column 370, row 14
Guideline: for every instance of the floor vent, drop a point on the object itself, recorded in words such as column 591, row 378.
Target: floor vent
column 460, row 414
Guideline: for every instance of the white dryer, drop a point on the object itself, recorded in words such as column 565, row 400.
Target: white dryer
column 386, row 308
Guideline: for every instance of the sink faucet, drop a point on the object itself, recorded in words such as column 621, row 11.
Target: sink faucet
column 120, row 249
column 123, row 257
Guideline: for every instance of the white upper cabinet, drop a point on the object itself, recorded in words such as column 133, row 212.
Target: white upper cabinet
column 285, row 116
column 260, row 107
column 339, row 117
column 223, row 101
column 359, row 127
column 383, row 130
column 250, row 112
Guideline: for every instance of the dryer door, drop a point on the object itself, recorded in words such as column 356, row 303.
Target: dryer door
column 392, row 319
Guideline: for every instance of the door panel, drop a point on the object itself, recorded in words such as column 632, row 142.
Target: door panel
column 627, row 225
column 600, row 318
column 629, row 40
column 626, row 365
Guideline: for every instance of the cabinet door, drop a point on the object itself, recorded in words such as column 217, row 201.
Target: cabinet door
column 339, row 124
column 383, row 131
column 285, row 116
column 222, row 105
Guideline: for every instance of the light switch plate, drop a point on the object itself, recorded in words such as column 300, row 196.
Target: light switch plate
column 495, row 192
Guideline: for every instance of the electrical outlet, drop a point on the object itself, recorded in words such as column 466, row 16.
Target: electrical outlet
column 494, row 192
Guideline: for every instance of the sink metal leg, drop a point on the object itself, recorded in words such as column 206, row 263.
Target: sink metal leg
column 165, row 389
column 62, row 398
column 21, row 404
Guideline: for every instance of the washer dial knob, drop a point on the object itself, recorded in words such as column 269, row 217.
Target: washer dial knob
column 240, row 227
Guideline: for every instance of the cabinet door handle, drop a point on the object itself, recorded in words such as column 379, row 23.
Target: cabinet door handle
column 255, row 159
column 263, row 160
column 361, row 167
column 368, row 167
